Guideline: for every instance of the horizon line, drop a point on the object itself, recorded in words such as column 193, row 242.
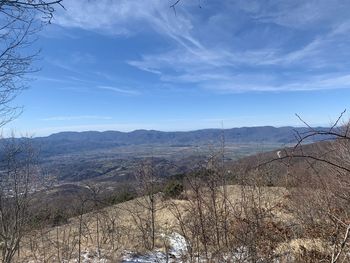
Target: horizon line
column 27, row 135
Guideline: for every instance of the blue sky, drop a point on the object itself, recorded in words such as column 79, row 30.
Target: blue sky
column 132, row 64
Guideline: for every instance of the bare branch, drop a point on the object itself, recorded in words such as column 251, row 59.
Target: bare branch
column 19, row 25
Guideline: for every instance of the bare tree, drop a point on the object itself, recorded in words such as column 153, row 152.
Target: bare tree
column 18, row 170
column 321, row 201
column 20, row 20
column 144, row 213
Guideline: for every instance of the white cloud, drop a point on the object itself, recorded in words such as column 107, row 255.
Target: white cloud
column 120, row 90
column 124, row 17
column 253, row 55
column 297, row 14
column 93, row 15
column 256, row 83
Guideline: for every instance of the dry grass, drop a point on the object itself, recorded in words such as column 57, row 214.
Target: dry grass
column 118, row 232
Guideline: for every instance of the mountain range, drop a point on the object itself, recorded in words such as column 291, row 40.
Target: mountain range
column 76, row 142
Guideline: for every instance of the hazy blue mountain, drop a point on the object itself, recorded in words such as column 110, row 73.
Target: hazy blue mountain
column 75, row 142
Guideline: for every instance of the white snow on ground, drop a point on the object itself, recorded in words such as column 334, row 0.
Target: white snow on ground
column 151, row 257
column 178, row 245
column 279, row 154
column 177, row 251
column 89, row 257
column 178, row 248
column 176, row 254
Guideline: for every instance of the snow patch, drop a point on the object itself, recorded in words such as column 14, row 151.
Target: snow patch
column 279, row 154
column 177, row 253
column 178, row 245
column 89, row 256
column 178, row 248
column 151, row 257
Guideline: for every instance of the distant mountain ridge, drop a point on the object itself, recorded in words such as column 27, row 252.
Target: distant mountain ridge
column 71, row 142
column 243, row 134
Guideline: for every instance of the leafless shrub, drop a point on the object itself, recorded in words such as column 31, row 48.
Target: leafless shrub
column 144, row 213
column 322, row 201
column 17, row 180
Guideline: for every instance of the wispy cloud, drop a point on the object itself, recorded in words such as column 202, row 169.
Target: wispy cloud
column 120, row 90
column 72, row 61
column 264, row 46
column 257, row 83
column 296, row 14
column 105, row 16
column 76, row 118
